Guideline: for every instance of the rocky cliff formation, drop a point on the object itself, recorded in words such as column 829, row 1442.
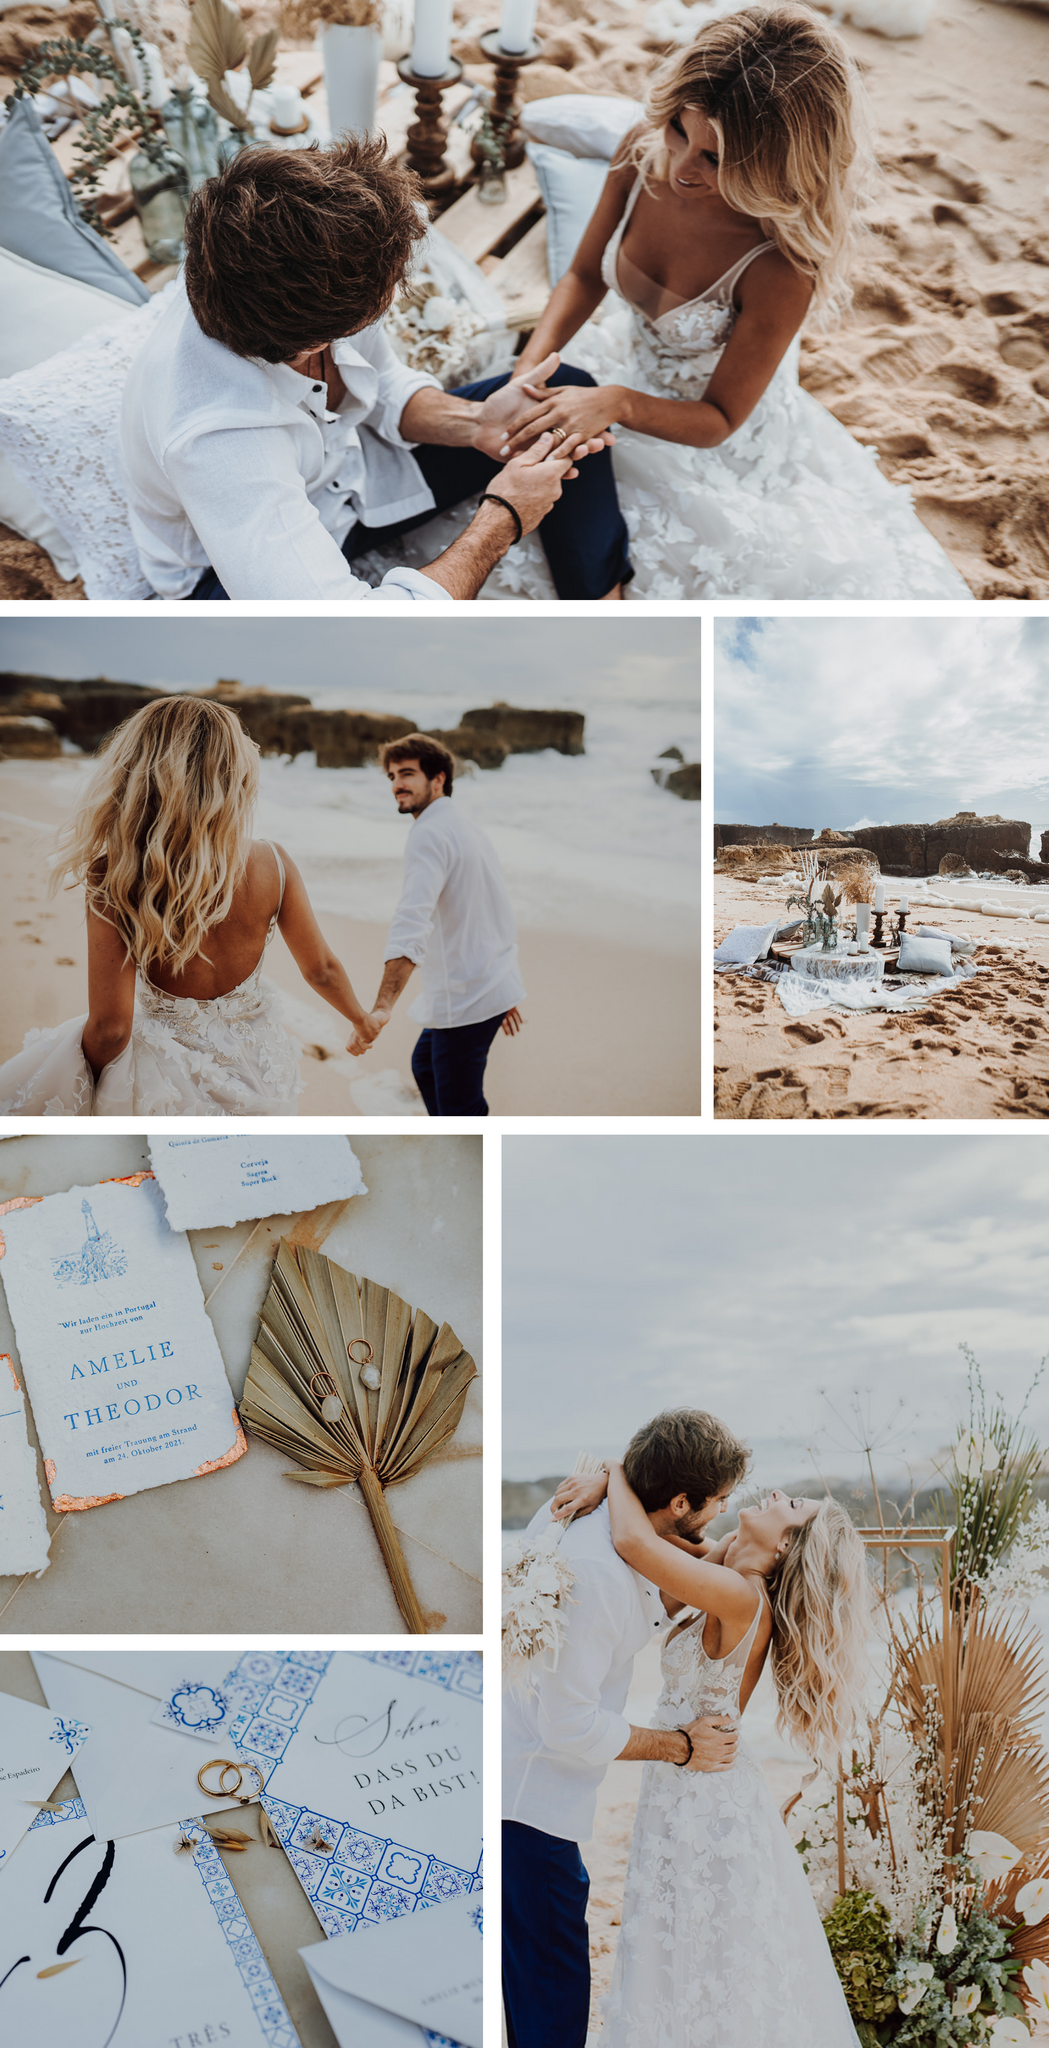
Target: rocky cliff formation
column 919, row 849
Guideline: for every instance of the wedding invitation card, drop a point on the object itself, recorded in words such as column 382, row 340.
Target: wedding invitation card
column 423, row 1972
column 120, row 1359
column 131, row 1944
column 374, row 1780
column 23, row 1524
column 211, row 1181
column 36, row 1749
column 131, row 1775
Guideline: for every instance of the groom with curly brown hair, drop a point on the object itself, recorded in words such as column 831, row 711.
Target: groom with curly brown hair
column 565, row 1723
column 270, row 435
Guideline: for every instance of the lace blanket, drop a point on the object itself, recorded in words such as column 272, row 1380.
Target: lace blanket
column 799, row 995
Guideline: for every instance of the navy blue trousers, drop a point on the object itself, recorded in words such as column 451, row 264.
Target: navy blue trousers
column 449, row 1067
column 546, row 1954
column 584, row 535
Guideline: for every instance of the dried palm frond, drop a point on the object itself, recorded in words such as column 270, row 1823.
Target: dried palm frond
column 990, row 1687
column 262, row 59
column 216, row 42
column 374, row 1417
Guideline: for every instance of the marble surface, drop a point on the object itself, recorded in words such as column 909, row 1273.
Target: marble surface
column 246, row 1549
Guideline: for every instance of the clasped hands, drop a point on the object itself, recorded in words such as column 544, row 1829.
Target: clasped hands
column 511, row 419
column 367, row 1029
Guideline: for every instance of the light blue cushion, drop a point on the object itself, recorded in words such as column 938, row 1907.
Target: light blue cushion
column 38, row 215
column 571, row 187
column 925, row 956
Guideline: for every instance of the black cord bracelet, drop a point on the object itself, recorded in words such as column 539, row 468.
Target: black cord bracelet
column 489, row 498
column 685, row 1759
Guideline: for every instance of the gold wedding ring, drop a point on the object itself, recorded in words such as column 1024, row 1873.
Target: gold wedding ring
column 224, row 1766
column 559, row 434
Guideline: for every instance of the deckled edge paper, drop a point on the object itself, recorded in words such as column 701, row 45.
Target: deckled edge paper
column 213, row 1182
column 38, row 1749
column 24, row 1541
column 100, row 1258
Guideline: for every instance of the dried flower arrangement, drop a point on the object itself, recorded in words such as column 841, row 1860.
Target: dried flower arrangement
column 537, row 1588
column 299, row 18
column 345, row 1416
column 431, row 331
column 217, row 43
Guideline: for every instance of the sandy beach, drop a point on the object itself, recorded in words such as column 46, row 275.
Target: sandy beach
column 942, row 365
column 979, row 1051
column 612, row 1010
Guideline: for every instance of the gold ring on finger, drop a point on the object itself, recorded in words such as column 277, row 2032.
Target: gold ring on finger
column 559, row 434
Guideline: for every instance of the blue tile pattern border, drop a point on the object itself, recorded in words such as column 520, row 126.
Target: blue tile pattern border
column 359, row 1878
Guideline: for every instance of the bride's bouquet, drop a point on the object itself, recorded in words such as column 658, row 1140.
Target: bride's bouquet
column 537, row 1586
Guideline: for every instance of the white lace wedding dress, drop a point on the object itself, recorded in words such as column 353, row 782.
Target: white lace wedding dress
column 721, row 1944
column 789, row 506
column 222, row 1056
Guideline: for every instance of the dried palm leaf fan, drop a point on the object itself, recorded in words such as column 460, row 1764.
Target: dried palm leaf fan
column 355, row 1386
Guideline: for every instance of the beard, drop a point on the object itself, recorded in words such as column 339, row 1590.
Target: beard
column 690, row 1526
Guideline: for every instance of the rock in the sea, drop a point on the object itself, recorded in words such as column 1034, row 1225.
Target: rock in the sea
column 755, row 835
column 342, row 739
column 1031, row 870
column 27, row 739
column 1016, row 875
column 264, row 715
column 1044, row 848
column 529, row 732
column 467, row 743
column 93, row 711
column 829, row 838
column 954, row 864
column 685, row 781
column 919, row 849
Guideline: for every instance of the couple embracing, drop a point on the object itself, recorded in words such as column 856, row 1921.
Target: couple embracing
column 721, row 1943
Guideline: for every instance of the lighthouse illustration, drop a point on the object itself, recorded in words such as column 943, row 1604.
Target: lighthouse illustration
column 98, row 1258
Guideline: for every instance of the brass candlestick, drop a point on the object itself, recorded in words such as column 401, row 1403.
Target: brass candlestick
column 503, row 110
column 428, row 135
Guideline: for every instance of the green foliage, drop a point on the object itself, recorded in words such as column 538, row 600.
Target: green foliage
column 981, row 1957
column 859, row 1932
column 120, row 111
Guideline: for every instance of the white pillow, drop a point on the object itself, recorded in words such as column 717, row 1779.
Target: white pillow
column 571, row 188
column 44, row 311
column 924, row 956
column 956, row 942
column 581, row 123
column 59, row 428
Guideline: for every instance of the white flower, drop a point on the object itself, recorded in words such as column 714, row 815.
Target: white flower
column 966, row 2000
column 1032, row 1900
column 1036, row 1978
column 974, row 1454
column 947, row 1934
column 921, row 1975
column 438, row 312
column 993, row 1856
column 1009, row 2034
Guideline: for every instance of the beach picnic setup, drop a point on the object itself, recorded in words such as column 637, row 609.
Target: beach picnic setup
column 276, row 1766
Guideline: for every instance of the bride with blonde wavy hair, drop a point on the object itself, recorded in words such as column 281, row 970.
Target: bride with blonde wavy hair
column 733, row 215
column 721, row 1941
column 181, row 903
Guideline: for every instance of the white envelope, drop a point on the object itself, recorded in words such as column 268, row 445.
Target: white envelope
column 152, row 1671
column 36, row 1749
column 156, row 1946
column 24, row 1540
column 130, row 1775
column 381, row 1987
column 213, row 1181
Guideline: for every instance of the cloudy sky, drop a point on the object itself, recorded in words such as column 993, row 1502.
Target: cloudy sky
column 754, row 1275
column 842, row 721
column 531, row 661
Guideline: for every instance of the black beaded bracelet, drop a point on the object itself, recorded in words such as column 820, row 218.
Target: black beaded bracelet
column 490, row 498
column 685, row 1759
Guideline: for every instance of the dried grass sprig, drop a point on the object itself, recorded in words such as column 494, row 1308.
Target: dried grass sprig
column 299, row 18
column 314, row 1316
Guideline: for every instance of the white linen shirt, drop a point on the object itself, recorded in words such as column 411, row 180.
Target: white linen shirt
column 455, row 921
column 238, row 464
column 560, row 1737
